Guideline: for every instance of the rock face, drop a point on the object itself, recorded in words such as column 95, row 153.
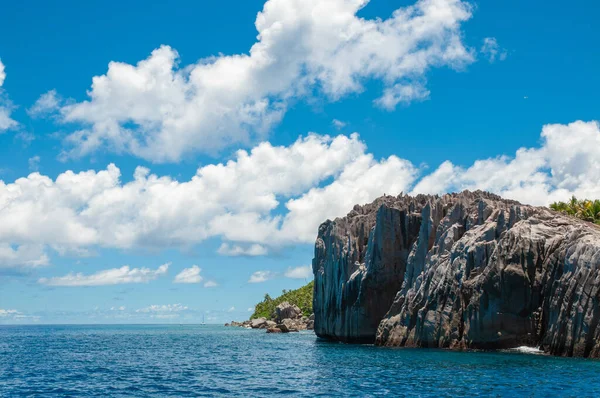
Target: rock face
column 467, row 270
column 286, row 310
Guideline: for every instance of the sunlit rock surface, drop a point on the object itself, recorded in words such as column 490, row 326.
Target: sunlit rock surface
column 468, row 270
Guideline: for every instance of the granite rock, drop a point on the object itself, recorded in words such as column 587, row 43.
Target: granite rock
column 286, row 310
column 468, row 270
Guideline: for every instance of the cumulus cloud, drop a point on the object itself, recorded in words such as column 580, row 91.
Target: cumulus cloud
column 567, row 163
column 401, row 93
column 6, row 106
column 46, row 104
column 227, row 249
column 302, row 272
column 237, row 201
column 27, row 255
column 261, row 276
column 492, row 51
column 161, row 111
column 360, row 182
column 210, row 284
column 269, row 197
column 338, row 124
column 189, row 275
column 114, row 276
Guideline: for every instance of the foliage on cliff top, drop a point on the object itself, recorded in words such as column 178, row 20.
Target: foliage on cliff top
column 588, row 210
column 302, row 297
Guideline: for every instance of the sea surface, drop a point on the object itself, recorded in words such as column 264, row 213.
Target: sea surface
column 182, row 361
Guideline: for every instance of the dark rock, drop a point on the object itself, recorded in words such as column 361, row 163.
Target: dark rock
column 467, row 270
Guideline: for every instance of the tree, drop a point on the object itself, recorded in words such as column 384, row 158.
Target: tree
column 588, row 210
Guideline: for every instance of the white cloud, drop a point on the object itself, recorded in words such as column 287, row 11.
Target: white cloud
column 401, row 93
column 492, row 51
column 567, row 163
column 261, row 276
column 163, row 308
column 231, row 309
column 121, row 308
column 239, row 200
column 189, row 275
column 210, row 284
column 338, row 124
column 46, row 104
column 112, row 276
column 361, row 181
column 6, row 106
column 14, row 316
column 160, row 111
column 227, row 249
column 26, row 255
column 2, row 73
column 251, row 309
column 269, row 197
column 34, row 163
column 7, row 313
column 302, row 272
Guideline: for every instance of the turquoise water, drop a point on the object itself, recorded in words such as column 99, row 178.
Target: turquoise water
column 145, row 360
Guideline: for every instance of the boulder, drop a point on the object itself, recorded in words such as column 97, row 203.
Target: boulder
column 286, row 310
column 258, row 323
column 274, row 330
column 293, row 325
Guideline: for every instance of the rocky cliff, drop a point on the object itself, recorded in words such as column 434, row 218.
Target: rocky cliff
column 468, row 270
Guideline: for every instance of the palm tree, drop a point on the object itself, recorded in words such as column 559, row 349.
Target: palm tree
column 588, row 210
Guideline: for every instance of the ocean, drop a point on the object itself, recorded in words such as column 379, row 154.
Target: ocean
column 196, row 360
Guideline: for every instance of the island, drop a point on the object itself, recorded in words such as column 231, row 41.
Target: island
column 290, row 312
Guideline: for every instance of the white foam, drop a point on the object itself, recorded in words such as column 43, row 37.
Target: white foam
column 528, row 350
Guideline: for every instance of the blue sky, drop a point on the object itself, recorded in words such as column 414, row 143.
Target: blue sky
column 444, row 95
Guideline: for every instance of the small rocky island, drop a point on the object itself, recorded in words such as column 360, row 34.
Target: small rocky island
column 286, row 318
column 468, row 270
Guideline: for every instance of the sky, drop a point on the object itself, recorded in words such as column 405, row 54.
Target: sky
column 165, row 163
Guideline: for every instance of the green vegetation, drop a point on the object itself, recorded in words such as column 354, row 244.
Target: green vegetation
column 302, row 297
column 588, row 210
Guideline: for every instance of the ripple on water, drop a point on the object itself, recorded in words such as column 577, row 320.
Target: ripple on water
column 161, row 360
